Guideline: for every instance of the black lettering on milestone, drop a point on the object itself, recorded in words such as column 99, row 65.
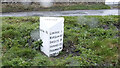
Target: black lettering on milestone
column 61, row 35
column 54, row 45
column 46, row 32
column 60, row 39
column 50, row 37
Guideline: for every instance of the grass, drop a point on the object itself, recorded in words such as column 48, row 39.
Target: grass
column 36, row 7
column 84, row 45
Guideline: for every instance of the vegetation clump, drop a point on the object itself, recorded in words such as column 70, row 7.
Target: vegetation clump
column 18, row 7
column 84, row 44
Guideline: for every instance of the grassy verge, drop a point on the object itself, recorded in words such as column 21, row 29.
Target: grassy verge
column 36, row 7
column 89, row 40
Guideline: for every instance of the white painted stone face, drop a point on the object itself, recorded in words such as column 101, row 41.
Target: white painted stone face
column 51, row 33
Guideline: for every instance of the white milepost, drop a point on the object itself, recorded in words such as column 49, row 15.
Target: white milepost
column 51, row 33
